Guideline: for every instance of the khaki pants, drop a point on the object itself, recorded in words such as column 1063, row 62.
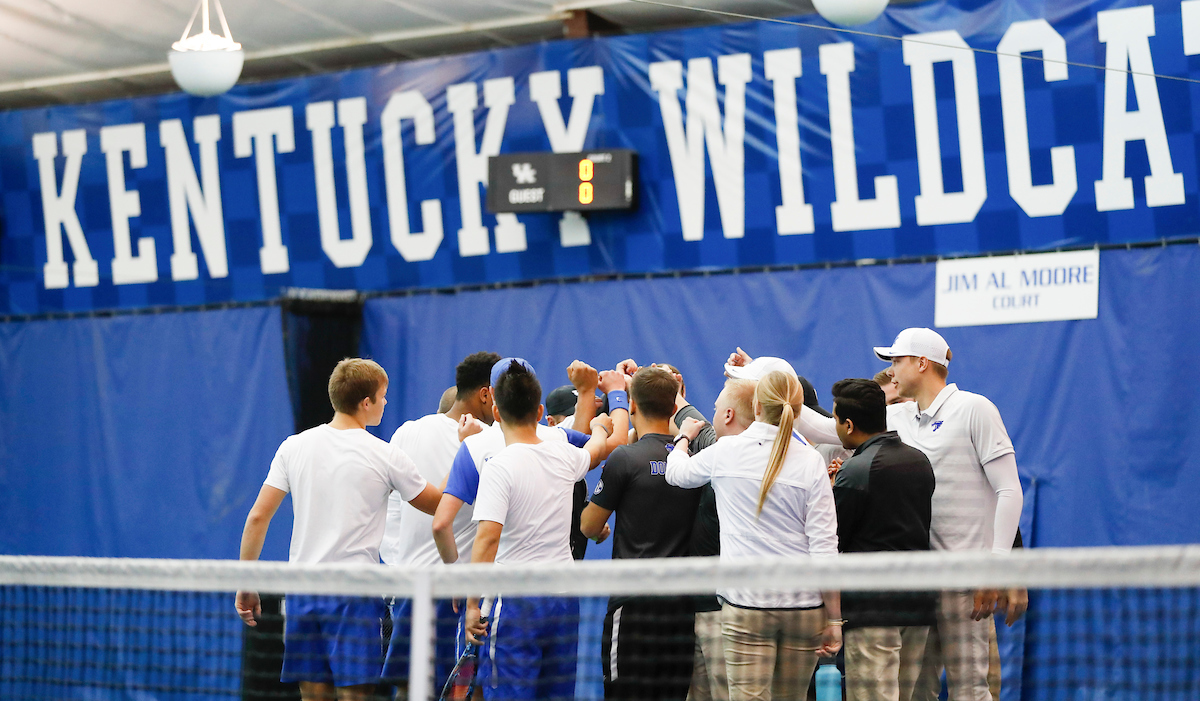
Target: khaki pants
column 882, row 663
column 770, row 655
column 960, row 645
column 709, row 682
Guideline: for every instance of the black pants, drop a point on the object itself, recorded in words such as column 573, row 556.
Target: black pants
column 647, row 649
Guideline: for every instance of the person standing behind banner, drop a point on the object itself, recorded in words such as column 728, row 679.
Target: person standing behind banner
column 339, row 477
column 432, row 442
column 883, row 494
column 523, row 511
column 774, row 499
column 646, row 651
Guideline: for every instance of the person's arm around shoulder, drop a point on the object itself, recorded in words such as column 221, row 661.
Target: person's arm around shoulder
column 254, row 533
column 689, row 471
column 707, row 435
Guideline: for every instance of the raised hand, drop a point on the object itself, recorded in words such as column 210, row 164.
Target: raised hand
column 468, row 426
column 627, row 367
column 583, row 376
column 691, row 428
column 739, row 358
column 603, row 421
column 612, row 380
column 833, row 467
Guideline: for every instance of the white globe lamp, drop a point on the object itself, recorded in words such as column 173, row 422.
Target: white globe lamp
column 206, row 64
column 850, row 13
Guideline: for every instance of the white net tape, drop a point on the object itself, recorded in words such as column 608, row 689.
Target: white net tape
column 1111, row 567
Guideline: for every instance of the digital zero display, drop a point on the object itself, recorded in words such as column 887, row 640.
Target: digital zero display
column 560, row 182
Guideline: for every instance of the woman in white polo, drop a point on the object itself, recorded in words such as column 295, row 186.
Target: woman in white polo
column 773, row 498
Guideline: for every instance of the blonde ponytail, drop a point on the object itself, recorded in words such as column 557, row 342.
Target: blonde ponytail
column 780, row 397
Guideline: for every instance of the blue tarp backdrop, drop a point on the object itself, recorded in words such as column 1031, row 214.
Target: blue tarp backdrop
column 140, row 436
column 750, row 136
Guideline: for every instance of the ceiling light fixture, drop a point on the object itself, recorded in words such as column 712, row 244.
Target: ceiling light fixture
column 206, row 64
column 850, row 13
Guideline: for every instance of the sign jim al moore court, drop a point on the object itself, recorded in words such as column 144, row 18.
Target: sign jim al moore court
column 1018, row 289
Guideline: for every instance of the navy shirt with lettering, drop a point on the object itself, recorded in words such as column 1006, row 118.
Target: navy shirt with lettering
column 654, row 519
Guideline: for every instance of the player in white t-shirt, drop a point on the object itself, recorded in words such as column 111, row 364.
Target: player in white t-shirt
column 339, row 477
column 432, row 442
column 462, row 485
column 523, row 511
column 976, row 504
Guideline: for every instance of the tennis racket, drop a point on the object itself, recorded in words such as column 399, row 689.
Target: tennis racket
column 462, row 681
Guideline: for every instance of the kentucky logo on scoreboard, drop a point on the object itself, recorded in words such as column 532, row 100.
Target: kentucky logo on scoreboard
column 577, row 182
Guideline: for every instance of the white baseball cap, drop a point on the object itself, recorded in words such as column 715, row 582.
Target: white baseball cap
column 759, row 367
column 919, row 343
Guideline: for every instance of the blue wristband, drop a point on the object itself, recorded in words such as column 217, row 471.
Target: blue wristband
column 618, row 399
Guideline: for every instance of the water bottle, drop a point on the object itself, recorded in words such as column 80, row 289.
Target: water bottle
column 829, row 683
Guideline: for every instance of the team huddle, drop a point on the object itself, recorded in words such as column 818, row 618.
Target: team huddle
column 904, row 462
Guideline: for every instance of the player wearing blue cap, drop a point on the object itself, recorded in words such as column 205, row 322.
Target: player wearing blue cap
column 523, row 511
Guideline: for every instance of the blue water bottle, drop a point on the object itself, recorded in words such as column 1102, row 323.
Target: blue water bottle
column 829, row 683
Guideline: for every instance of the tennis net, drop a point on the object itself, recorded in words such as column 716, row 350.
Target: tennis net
column 1102, row 623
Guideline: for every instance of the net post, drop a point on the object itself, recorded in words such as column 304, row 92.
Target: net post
column 420, row 641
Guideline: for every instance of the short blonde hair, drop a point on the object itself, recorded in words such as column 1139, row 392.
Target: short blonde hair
column 884, row 377
column 741, row 398
column 353, row 380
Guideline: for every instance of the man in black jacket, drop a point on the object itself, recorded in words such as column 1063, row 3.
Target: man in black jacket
column 883, row 495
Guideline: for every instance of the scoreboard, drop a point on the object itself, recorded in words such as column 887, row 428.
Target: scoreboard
column 560, row 182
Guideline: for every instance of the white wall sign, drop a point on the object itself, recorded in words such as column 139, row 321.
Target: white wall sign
column 1018, row 289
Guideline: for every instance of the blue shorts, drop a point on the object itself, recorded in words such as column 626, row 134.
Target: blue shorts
column 332, row 640
column 448, row 645
column 532, row 649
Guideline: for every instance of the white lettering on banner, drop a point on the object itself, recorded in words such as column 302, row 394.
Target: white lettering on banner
column 1189, row 11
column 185, row 195
column 1127, row 33
column 848, row 212
column 351, row 116
column 704, row 130
column 264, row 133
column 462, row 100
column 794, row 216
column 58, row 210
column 115, row 142
column 1036, row 200
column 1017, row 289
column 934, row 204
column 583, row 85
column 412, row 245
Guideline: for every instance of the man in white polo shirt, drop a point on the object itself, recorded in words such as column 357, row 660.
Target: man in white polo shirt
column 976, row 504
